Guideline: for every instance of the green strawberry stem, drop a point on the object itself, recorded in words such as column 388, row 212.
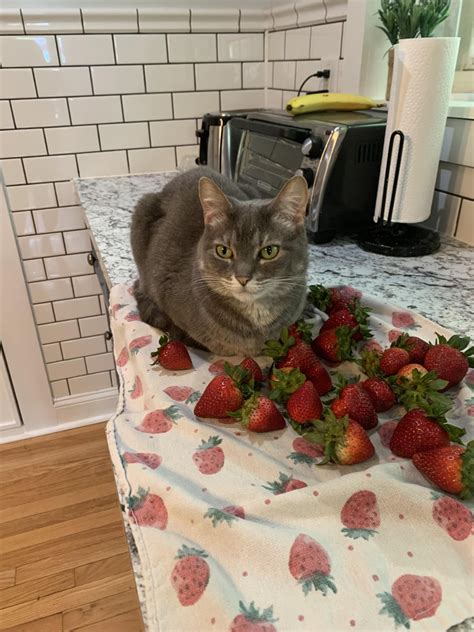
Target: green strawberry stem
column 318, row 581
column 253, row 614
column 422, row 391
column 354, row 534
column 186, row 551
column 393, row 609
column 319, row 296
column 285, row 384
column 217, row 516
column 277, row 349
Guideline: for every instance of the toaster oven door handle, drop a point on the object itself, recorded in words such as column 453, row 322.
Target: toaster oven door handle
column 323, row 173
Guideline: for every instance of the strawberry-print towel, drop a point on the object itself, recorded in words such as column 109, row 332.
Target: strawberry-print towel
column 233, row 531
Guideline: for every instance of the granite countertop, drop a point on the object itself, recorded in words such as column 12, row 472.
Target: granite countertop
column 438, row 286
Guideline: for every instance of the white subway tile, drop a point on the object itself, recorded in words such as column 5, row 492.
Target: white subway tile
column 52, row 20
column 76, row 50
column 34, row 270
column 255, row 20
column 59, row 82
column 43, row 313
column 23, row 223
column 93, row 326
column 27, row 142
column 254, row 74
column 31, row 196
column 102, row 362
column 95, row 110
column 274, row 99
column 61, row 140
column 455, row 179
column 65, row 369
column 214, row 20
column 113, row 378
column 124, row 135
column 52, row 352
column 57, row 290
column 465, row 227
column 147, row 107
column 168, row 133
column 188, row 105
column 69, row 265
column 56, row 219
column 336, row 10
column 83, row 346
column 6, row 118
column 10, row 21
column 104, row 311
column 193, row 48
column 444, row 213
column 326, row 41
column 12, row 171
column 276, row 45
column 40, row 112
column 110, row 163
column 50, row 168
column 152, row 160
column 310, row 12
column 110, row 20
column 76, row 308
column 77, row 241
column 218, row 76
column 89, row 383
column 186, row 156
column 242, row 99
column 140, row 49
column 297, row 43
column 55, row 332
column 28, row 50
column 169, row 78
column 117, row 79
column 66, row 193
column 164, row 20
column 284, row 75
column 240, row 47
column 284, row 16
column 60, row 389
column 306, row 68
column 458, row 142
column 287, row 95
column 86, row 285
column 47, row 245
column 17, row 84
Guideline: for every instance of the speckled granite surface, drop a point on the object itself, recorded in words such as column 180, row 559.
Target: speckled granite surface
column 439, row 286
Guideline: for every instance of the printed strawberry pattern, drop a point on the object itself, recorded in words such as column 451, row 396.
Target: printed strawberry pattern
column 284, row 484
column 190, row 575
column 452, row 516
column 209, row 456
column 309, row 563
column 360, row 515
column 413, row 597
column 148, row 510
column 305, row 452
column 251, row 619
column 159, row 421
column 227, row 515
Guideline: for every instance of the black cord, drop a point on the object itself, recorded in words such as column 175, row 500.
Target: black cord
column 319, row 75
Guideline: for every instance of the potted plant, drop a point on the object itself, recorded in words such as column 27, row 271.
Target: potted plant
column 406, row 19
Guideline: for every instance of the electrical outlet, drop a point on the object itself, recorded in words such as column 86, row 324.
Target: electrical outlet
column 306, row 68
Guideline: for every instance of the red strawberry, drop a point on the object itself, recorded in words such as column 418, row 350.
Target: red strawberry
column 182, row 394
column 360, row 515
column 190, row 575
column 334, row 345
column 318, row 375
column 305, row 452
column 304, row 404
column 301, row 330
column 138, row 343
column 153, row 461
column 449, row 360
column 284, row 484
column 413, row 597
column 253, row 367
column 452, row 516
column 222, row 395
column 250, row 619
column 356, row 403
column 386, row 431
column 393, row 359
column 159, row 421
column 451, row 468
column 148, row 510
column 415, row 346
column 137, row 389
column 354, row 316
column 380, row 393
column 172, row 355
column 209, row 457
column 332, row 299
column 418, row 388
column 227, row 515
column 417, row 432
column 123, row 357
column 310, row 565
column 259, row 414
column 408, row 371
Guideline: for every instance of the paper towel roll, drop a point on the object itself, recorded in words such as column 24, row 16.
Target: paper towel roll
column 421, row 87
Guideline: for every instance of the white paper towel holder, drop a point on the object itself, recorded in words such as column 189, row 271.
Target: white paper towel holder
column 397, row 239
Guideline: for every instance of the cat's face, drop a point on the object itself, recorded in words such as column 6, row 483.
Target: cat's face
column 254, row 250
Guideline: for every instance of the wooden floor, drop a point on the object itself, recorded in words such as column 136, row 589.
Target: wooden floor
column 64, row 562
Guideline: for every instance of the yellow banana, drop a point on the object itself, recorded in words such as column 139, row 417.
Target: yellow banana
column 329, row 101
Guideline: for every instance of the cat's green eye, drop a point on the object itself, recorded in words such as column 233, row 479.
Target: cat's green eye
column 269, row 252
column 224, row 252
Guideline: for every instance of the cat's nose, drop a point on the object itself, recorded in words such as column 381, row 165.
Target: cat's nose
column 243, row 280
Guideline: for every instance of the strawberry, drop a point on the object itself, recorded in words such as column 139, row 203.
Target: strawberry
column 415, row 346
column 182, row 394
column 449, row 359
column 172, row 355
column 138, row 343
column 159, row 421
column 224, row 394
column 393, row 359
column 250, row 619
column 356, row 403
column 413, row 597
column 137, row 389
column 309, row 563
column 123, row 357
column 451, row 468
column 344, row 440
column 380, row 393
column 360, row 515
column 304, row 404
column 408, row 371
column 253, row 367
column 228, row 515
column 284, row 382
column 190, row 575
column 209, row 457
column 369, row 361
column 259, row 414
column 301, row 330
column 416, row 387
column 332, row 299
column 284, row 484
column 452, row 516
column 148, row 510
column 305, row 452
column 334, row 345
column 153, row 461
column 355, row 316
column 417, row 431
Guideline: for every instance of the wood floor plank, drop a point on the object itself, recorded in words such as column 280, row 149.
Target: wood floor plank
column 48, row 624
column 36, row 588
column 7, row 577
column 43, row 442
column 103, row 568
column 128, row 622
column 100, row 610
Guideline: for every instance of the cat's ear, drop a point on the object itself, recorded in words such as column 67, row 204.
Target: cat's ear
column 290, row 203
column 214, row 203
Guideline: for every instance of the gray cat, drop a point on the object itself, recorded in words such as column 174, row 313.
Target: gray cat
column 217, row 269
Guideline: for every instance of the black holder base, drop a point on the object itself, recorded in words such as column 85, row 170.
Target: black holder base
column 399, row 240
column 323, row 237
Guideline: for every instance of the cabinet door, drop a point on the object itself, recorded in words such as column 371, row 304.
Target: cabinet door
column 9, row 413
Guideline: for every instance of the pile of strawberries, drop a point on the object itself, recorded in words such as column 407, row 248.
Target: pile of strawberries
column 338, row 416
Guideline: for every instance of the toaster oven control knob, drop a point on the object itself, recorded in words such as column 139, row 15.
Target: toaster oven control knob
column 312, row 147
